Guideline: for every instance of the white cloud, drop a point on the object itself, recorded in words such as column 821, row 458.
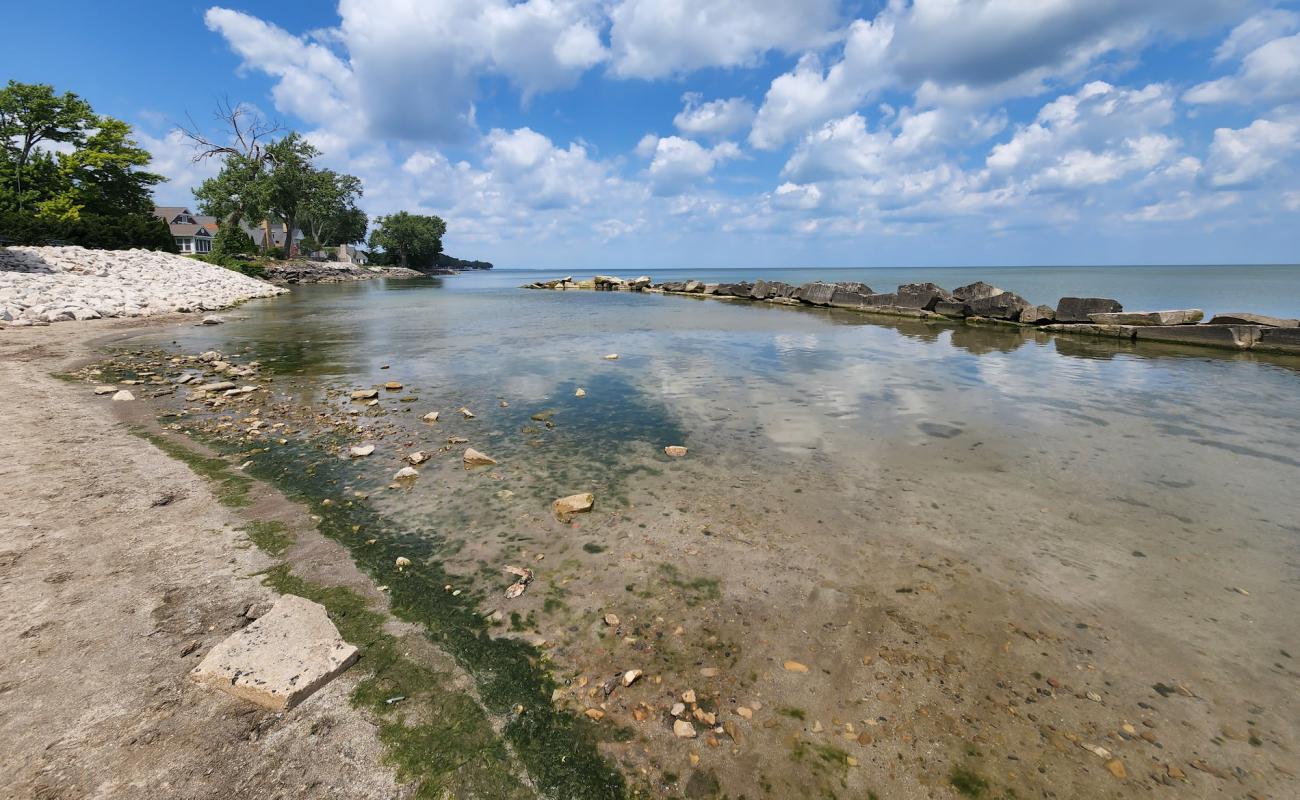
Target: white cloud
column 1092, row 136
column 714, row 118
column 541, row 175
column 172, row 155
column 1244, row 156
column 1186, row 205
column 808, row 96
column 658, row 38
column 1256, row 31
column 1270, row 72
column 409, row 70
column 679, row 163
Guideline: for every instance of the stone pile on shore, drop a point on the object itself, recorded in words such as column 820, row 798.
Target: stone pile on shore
column 293, row 272
column 981, row 302
column 40, row 285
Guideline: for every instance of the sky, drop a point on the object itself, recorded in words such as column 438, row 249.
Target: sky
column 634, row 134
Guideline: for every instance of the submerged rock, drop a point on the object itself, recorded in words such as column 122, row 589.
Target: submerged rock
column 365, row 394
column 675, row 450
column 123, row 394
column 474, row 458
column 573, row 504
column 361, row 451
column 432, row 416
column 406, row 472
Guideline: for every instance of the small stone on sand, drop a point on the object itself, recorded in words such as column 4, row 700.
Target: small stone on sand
column 123, row 395
column 573, row 504
column 675, row 450
column 474, row 458
column 432, row 416
column 406, row 472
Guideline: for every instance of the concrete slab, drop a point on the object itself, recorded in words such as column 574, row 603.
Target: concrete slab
column 1236, row 337
column 1279, row 340
column 1188, row 316
column 280, row 659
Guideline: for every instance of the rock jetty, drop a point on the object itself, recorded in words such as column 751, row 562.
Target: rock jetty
column 983, row 303
column 40, row 285
column 294, row 272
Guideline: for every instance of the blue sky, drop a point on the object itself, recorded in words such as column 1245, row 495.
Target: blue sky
column 654, row 133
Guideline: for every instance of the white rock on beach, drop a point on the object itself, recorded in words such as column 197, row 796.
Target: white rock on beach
column 60, row 284
column 280, row 659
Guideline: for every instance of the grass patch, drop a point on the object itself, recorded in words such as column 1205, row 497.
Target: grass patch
column 270, row 536
column 968, row 782
column 792, row 713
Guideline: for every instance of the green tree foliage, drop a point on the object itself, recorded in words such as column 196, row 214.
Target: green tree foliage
column 231, row 240
column 409, row 239
column 330, row 214
column 32, row 114
column 264, row 179
column 93, row 191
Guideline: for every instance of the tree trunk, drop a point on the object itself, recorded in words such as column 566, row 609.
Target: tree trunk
column 267, row 241
column 401, row 257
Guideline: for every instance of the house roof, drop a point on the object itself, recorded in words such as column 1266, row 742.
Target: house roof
column 168, row 212
column 190, row 230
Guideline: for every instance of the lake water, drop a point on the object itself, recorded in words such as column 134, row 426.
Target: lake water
column 881, row 533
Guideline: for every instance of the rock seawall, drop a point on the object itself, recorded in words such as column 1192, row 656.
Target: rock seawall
column 982, row 303
column 292, row 272
column 40, row 285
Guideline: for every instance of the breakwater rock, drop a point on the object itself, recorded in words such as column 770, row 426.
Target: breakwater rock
column 294, row 272
column 40, row 285
column 982, row 302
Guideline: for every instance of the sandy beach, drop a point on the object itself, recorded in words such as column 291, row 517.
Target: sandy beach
column 119, row 568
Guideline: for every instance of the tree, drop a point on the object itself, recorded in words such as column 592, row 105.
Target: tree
column 411, row 238
column 330, row 215
column 105, row 173
column 31, row 114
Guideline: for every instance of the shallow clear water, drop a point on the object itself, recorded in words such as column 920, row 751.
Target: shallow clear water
column 1121, row 485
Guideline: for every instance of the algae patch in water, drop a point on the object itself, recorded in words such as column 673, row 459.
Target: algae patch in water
column 435, row 735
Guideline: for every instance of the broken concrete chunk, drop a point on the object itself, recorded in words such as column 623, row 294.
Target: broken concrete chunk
column 281, row 658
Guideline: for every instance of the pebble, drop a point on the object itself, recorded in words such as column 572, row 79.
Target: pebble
column 611, row 357
column 105, row 389
column 432, row 416
column 795, row 666
column 123, row 395
column 674, row 450
column 581, row 392
column 361, row 451
column 631, row 676
column 406, row 472
column 683, row 729
column 611, row 620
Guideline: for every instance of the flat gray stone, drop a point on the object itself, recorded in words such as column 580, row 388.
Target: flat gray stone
column 1279, row 340
column 1037, row 315
column 1246, row 318
column 280, row 659
column 1189, row 316
column 1233, row 337
column 1079, row 309
column 817, row 294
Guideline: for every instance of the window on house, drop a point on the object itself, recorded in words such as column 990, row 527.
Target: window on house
column 203, row 245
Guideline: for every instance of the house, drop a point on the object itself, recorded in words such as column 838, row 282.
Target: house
column 257, row 233
column 193, row 232
column 351, row 255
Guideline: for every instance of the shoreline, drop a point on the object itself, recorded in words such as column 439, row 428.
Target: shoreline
column 117, row 588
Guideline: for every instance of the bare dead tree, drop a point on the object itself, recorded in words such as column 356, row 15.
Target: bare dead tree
column 248, row 133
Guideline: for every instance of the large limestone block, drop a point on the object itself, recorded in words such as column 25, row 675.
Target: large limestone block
column 1189, row 316
column 1004, row 305
column 1079, row 309
column 281, row 659
column 978, row 290
column 921, row 295
column 1236, row 337
column 817, row 294
column 1247, row 318
column 1280, row 340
